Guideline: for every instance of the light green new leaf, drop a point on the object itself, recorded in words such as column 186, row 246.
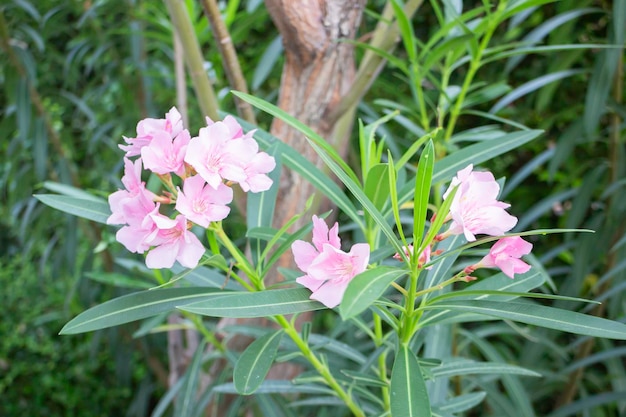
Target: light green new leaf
column 365, row 288
column 256, row 304
column 255, row 362
column 409, row 397
column 538, row 315
column 136, row 306
column 90, row 209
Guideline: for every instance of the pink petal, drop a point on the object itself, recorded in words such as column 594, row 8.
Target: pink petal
column 330, row 294
column 303, row 253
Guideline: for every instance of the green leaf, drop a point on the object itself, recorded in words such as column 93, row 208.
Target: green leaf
column 136, row 306
column 538, row 315
column 406, row 30
column 409, row 397
column 365, row 288
column 356, row 191
column 456, row 367
column 255, row 362
column 90, row 209
column 461, row 403
column 186, row 400
column 298, row 125
column 422, row 192
column 256, row 304
column 447, row 167
column 320, row 180
column 377, row 188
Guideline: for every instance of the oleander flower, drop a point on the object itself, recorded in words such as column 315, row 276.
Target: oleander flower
column 475, row 208
column 221, row 152
column 172, row 242
column 164, row 155
column 328, row 270
column 201, row 203
column 505, row 255
column 146, row 129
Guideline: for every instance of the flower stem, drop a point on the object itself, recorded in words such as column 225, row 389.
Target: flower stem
column 319, row 366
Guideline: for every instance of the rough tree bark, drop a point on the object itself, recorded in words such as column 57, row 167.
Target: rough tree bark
column 319, row 70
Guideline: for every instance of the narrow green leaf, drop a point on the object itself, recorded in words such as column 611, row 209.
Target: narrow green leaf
column 89, row 209
column 409, row 397
column 255, row 362
column 447, row 167
column 422, row 192
column 278, row 387
column 538, row 315
column 377, row 188
column 461, row 403
column 136, row 306
column 298, row 125
column 406, row 30
column 454, row 367
column 186, row 400
column 256, row 304
column 356, row 191
column 308, row 171
column 365, row 288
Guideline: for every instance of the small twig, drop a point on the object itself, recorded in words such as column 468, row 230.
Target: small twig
column 229, row 58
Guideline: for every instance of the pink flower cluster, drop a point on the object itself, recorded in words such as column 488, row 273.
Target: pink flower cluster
column 206, row 165
column 328, row 269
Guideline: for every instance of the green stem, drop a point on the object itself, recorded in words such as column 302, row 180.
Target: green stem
column 475, row 64
column 321, row 368
column 241, row 261
column 382, row 360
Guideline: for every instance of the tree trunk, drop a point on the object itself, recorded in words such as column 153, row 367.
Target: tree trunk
column 319, row 70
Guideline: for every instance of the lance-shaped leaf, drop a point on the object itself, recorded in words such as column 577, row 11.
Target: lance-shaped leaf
column 538, row 315
column 255, row 362
column 365, row 288
column 186, row 402
column 136, row 306
column 90, row 209
column 256, row 304
column 409, row 397
column 475, row 154
column 422, row 192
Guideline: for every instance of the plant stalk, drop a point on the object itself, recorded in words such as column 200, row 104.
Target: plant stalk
column 229, row 58
column 193, row 57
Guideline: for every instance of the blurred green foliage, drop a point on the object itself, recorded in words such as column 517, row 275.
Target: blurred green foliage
column 86, row 71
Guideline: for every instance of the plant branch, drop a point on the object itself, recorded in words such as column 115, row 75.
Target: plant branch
column 193, row 57
column 385, row 38
column 229, row 58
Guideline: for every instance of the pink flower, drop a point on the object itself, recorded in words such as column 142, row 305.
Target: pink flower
column 164, row 155
column 475, row 209
column 215, row 156
column 256, row 180
column 505, row 255
column 132, row 204
column 173, row 243
column 135, row 235
column 222, row 152
column 146, row 128
column 203, row 204
column 424, row 257
column 328, row 269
